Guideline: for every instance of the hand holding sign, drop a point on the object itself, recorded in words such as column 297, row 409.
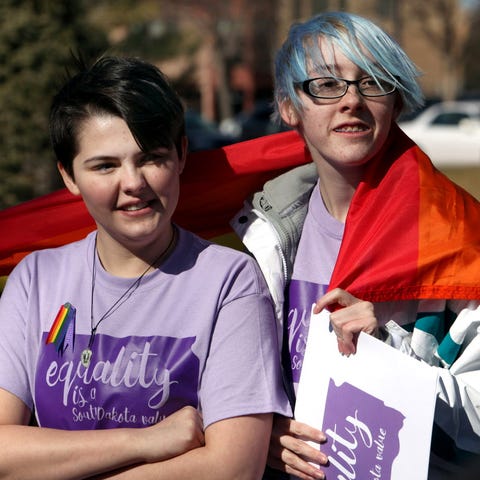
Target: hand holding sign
column 347, row 322
column 370, row 405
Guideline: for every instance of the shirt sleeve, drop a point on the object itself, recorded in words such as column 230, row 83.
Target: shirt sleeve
column 242, row 375
column 14, row 349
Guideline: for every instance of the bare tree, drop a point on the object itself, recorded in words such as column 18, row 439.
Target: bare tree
column 445, row 25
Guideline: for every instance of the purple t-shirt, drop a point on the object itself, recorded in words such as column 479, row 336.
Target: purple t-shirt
column 198, row 331
column 316, row 256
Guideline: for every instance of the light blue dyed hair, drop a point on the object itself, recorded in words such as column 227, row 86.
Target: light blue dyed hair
column 354, row 36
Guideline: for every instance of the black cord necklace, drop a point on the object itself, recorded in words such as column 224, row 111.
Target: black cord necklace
column 86, row 355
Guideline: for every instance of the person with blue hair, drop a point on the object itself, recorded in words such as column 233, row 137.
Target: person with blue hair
column 341, row 82
column 363, row 43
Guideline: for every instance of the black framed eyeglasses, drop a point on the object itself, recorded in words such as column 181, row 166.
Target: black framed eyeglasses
column 333, row 87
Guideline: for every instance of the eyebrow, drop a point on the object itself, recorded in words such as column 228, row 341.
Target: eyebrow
column 330, row 68
column 100, row 158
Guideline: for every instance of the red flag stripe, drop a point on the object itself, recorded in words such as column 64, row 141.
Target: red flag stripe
column 214, row 185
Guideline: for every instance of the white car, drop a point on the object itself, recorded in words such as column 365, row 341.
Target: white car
column 448, row 132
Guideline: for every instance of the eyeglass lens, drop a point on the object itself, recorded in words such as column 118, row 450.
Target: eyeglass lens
column 330, row 87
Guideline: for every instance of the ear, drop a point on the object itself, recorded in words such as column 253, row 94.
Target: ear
column 183, row 159
column 398, row 106
column 68, row 180
column 288, row 113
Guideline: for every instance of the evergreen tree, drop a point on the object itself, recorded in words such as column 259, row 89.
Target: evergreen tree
column 37, row 39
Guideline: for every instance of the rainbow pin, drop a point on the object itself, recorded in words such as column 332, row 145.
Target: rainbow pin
column 62, row 325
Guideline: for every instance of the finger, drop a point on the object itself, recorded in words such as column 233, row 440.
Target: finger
column 347, row 333
column 345, row 348
column 358, row 309
column 289, row 441
column 336, row 297
column 298, row 448
column 292, row 464
column 346, row 326
column 312, row 475
column 290, row 427
column 356, row 318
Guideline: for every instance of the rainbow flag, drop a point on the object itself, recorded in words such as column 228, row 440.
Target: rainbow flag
column 214, row 185
column 410, row 232
column 62, row 325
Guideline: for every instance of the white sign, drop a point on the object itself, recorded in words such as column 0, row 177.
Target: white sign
column 376, row 407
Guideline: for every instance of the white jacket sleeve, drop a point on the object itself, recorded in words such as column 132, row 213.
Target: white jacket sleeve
column 457, row 359
column 458, row 402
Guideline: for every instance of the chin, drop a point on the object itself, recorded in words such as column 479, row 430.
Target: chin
column 355, row 162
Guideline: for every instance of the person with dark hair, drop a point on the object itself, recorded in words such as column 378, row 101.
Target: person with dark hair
column 141, row 351
column 369, row 231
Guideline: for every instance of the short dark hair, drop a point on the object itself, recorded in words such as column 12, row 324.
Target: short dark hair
column 129, row 88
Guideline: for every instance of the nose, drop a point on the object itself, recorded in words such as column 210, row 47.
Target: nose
column 352, row 98
column 133, row 179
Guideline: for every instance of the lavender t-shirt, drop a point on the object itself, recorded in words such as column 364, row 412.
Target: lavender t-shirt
column 316, row 256
column 198, row 331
